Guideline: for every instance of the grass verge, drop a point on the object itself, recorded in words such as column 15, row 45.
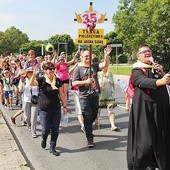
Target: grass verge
column 121, row 69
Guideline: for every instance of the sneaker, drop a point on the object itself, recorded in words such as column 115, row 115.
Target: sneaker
column 34, row 135
column 13, row 120
column 90, row 143
column 24, row 123
column 5, row 107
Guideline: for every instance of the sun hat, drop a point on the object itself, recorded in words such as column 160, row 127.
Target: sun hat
column 61, row 58
column 62, row 53
column 29, row 69
column 5, row 71
column 13, row 62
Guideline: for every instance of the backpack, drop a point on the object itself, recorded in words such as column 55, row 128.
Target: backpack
column 131, row 89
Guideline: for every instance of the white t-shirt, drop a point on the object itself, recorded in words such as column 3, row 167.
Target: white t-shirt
column 27, row 91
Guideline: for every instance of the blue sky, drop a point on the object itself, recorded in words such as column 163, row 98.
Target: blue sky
column 41, row 19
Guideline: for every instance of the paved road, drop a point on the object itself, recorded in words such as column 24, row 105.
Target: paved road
column 109, row 152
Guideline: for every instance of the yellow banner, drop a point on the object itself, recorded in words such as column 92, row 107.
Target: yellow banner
column 96, row 33
column 90, row 41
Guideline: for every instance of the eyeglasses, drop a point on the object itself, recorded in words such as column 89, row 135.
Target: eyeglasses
column 50, row 68
column 145, row 52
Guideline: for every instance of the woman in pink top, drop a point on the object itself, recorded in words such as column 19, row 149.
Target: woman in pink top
column 63, row 74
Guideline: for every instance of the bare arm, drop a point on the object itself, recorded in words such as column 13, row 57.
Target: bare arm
column 21, row 84
column 72, row 68
column 74, row 58
column 83, row 82
column 33, row 81
column 54, row 57
column 106, row 61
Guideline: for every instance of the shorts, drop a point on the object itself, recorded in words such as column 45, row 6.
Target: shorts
column 8, row 94
column 64, row 81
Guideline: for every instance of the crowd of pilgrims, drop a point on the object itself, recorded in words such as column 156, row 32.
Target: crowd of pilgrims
column 17, row 69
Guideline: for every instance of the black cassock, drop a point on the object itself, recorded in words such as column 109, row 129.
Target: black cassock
column 149, row 123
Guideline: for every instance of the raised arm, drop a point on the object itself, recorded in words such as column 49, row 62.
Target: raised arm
column 74, row 58
column 33, row 81
column 54, row 56
column 106, row 61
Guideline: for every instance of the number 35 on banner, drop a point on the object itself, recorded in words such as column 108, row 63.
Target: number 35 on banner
column 89, row 20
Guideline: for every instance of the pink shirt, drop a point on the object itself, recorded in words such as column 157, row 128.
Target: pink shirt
column 62, row 71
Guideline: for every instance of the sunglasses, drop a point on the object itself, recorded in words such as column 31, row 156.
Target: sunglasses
column 50, row 68
column 145, row 52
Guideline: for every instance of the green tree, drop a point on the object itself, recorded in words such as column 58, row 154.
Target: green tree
column 143, row 21
column 11, row 40
column 111, row 39
column 64, row 38
column 32, row 45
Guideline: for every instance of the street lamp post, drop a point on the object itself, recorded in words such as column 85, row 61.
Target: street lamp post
column 62, row 43
column 116, row 46
column 42, row 49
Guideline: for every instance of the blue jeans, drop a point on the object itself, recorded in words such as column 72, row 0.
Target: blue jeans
column 89, row 108
column 50, row 120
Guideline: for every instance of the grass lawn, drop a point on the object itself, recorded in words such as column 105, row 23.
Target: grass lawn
column 121, row 69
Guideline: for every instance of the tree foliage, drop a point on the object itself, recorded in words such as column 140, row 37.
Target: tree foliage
column 144, row 21
column 111, row 39
column 59, row 41
column 11, row 40
column 32, row 45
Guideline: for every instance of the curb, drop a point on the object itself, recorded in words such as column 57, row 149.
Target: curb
column 12, row 156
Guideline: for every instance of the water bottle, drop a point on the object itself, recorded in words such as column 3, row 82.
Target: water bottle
column 64, row 119
column 122, row 85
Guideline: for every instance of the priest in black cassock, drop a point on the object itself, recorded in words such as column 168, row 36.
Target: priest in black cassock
column 148, row 145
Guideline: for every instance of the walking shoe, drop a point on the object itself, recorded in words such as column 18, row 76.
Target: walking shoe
column 43, row 144
column 54, row 152
column 24, row 123
column 13, row 120
column 90, row 143
column 115, row 129
column 34, row 135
